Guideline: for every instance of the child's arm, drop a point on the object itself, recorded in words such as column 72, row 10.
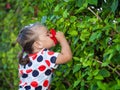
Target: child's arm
column 65, row 54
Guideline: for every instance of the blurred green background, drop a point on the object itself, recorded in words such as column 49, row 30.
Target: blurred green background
column 92, row 28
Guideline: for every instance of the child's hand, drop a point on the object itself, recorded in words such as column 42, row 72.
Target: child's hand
column 60, row 36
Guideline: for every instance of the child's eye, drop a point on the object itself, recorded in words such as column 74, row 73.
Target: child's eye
column 48, row 34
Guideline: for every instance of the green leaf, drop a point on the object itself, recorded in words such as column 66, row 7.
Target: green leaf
column 80, row 3
column 76, row 68
column 87, row 63
column 105, row 64
column 95, row 72
column 84, row 34
column 73, row 33
column 104, row 72
column 82, row 83
column 58, row 73
column 118, row 81
column 114, row 5
column 57, row 8
column 99, row 77
column 94, row 36
column 73, row 18
column 76, row 58
column 117, row 47
column 101, row 85
column 116, row 40
column 65, row 14
column 76, row 83
column 93, row 2
column 93, row 87
column 116, row 59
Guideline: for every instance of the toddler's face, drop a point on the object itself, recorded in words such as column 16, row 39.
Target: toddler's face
column 44, row 37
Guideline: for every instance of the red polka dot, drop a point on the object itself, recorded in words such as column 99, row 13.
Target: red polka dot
column 47, row 62
column 45, row 84
column 34, row 57
column 50, row 53
column 42, row 68
column 29, row 70
column 34, row 84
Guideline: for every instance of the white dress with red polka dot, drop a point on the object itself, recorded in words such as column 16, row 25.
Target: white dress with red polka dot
column 37, row 73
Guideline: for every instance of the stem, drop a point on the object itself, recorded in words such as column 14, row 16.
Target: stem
column 98, row 17
column 109, row 67
column 67, row 82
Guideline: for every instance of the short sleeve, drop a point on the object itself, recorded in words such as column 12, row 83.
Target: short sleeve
column 51, row 57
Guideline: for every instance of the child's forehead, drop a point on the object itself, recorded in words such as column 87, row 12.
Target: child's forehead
column 40, row 30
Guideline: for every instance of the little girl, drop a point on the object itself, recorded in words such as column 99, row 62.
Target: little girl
column 36, row 67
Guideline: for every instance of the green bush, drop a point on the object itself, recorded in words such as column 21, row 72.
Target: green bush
column 92, row 28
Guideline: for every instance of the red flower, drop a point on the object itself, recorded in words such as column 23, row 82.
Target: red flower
column 53, row 32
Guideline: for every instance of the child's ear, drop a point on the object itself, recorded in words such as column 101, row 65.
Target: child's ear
column 38, row 44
